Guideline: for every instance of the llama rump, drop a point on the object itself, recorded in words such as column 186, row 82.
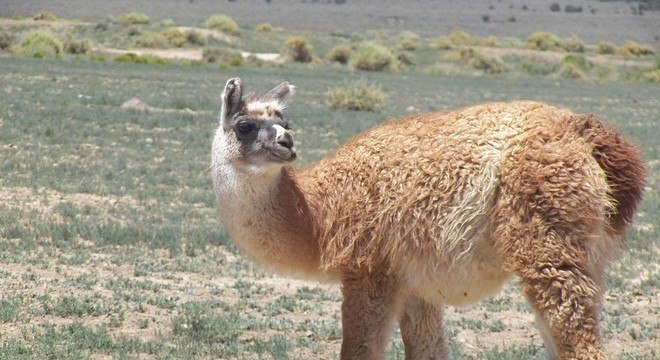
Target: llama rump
column 431, row 210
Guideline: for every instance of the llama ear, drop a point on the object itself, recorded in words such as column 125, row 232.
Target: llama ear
column 231, row 97
column 282, row 92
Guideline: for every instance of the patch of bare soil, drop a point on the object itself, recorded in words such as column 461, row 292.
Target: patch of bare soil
column 184, row 54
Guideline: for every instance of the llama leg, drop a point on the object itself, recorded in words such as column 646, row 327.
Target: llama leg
column 421, row 329
column 368, row 311
column 566, row 300
column 546, row 335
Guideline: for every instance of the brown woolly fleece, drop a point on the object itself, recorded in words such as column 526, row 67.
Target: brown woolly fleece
column 442, row 208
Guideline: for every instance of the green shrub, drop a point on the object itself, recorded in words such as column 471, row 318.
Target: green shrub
column 544, row 41
column 579, row 61
column 264, row 27
column 572, row 71
column 151, row 39
column 6, row 39
column 225, row 57
column 409, row 41
column 606, row 48
column 631, row 48
column 406, row 59
column 574, row 44
column 651, row 76
column 38, row 43
column 223, row 23
column 358, row 97
column 461, row 37
column 297, row 48
column 538, row 65
column 132, row 18
column 77, row 46
column 45, row 16
column 140, row 59
column 178, row 37
column 372, row 57
column 195, row 38
column 443, row 43
column 461, row 56
column 487, row 63
column 175, row 37
column 340, row 53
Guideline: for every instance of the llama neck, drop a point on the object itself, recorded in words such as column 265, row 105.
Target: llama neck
column 268, row 217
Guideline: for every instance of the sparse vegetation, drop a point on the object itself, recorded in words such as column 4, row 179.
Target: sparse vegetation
column 297, row 48
column 631, row 48
column 126, row 263
column 178, row 38
column 359, row 97
column 39, row 44
column 371, row 56
column 264, row 27
column 77, row 46
column 606, row 48
column 222, row 23
column 45, row 16
column 6, row 39
column 151, row 39
column 409, row 41
column 340, row 53
column 544, row 41
column 132, row 18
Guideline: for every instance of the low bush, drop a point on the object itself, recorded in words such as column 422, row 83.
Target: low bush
column 606, row 48
column 222, row 23
column 77, row 46
column 39, row 43
column 489, row 64
column 6, row 39
column 631, row 48
column 443, row 43
column 264, row 27
column 297, row 48
column 97, row 57
column 359, row 97
column 175, row 37
column 409, row 41
column 579, row 61
column 572, row 71
column 151, row 39
column 462, row 37
column 544, row 41
column 45, row 16
column 140, row 59
column 406, row 59
column 574, row 44
column 651, row 76
column 371, row 56
column 132, row 18
column 340, row 53
column 225, row 57
column 539, row 65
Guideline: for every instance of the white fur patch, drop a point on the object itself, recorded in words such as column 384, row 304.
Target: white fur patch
column 280, row 131
column 263, row 107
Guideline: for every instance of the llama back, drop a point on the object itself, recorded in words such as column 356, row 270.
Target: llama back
column 423, row 186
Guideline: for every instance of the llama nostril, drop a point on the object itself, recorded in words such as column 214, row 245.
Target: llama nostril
column 285, row 140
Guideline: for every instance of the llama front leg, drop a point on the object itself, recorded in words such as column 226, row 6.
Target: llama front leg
column 368, row 312
column 421, row 330
column 566, row 300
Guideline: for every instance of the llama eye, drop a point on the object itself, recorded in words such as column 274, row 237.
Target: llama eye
column 245, row 128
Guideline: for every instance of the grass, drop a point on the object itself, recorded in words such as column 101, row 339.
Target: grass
column 111, row 246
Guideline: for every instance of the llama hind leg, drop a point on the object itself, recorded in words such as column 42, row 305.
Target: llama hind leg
column 565, row 295
column 368, row 311
column 421, row 330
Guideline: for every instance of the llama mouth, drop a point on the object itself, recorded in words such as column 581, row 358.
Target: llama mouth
column 283, row 154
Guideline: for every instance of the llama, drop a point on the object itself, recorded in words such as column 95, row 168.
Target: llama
column 432, row 210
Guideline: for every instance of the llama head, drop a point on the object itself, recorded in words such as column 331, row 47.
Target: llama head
column 253, row 131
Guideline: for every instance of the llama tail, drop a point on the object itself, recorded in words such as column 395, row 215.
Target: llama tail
column 624, row 168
